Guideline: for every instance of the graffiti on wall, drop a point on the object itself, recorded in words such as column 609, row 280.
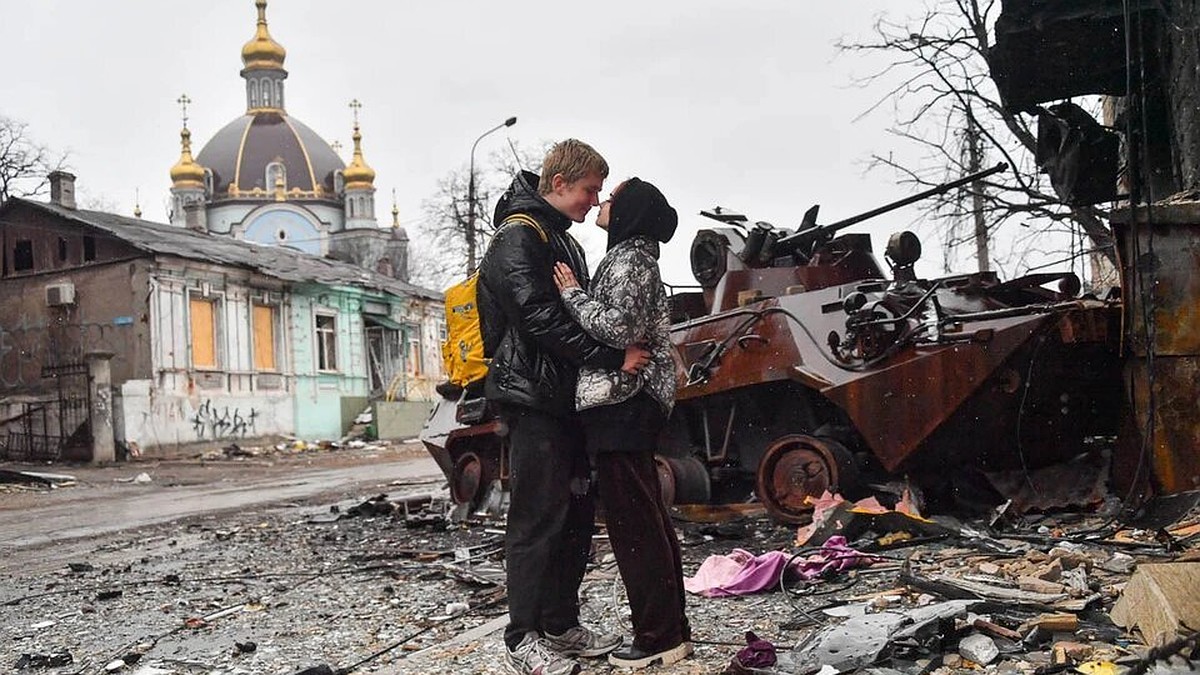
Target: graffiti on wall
column 210, row 423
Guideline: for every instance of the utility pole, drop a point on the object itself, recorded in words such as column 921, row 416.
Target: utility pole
column 974, row 164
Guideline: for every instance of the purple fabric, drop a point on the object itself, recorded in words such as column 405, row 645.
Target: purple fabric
column 743, row 573
column 758, row 653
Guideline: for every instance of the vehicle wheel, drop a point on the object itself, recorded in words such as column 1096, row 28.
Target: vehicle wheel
column 466, row 482
column 796, row 467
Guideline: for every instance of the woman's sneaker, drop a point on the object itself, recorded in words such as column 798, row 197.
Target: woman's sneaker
column 533, row 656
column 632, row 657
column 580, row 641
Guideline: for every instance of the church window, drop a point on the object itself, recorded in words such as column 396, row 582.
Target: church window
column 203, row 319
column 62, row 249
column 23, row 255
column 208, row 181
column 326, row 329
column 89, row 249
column 276, row 175
column 254, row 93
column 339, row 181
column 266, row 93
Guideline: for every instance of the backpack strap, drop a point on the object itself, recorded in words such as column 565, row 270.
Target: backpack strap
column 522, row 219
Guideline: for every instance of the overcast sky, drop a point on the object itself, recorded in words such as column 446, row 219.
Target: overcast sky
column 743, row 104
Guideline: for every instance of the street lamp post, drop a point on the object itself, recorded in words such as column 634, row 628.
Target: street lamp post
column 471, row 195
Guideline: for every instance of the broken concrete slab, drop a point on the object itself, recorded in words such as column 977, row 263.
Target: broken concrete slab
column 978, row 648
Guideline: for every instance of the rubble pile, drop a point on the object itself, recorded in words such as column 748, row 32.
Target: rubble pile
column 391, row 583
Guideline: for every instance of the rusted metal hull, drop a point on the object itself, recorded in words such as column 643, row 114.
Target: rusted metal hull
column 1159, row 253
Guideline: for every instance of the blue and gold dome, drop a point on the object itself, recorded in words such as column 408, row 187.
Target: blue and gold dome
column 266, row 153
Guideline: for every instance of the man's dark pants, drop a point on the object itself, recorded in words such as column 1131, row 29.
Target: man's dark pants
column 550, row 522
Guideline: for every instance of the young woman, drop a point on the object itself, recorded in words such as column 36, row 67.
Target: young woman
column 622, row 415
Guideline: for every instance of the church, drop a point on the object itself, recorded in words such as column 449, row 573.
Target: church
column 273, row 304
column 267, row 178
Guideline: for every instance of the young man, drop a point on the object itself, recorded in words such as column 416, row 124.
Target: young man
column 536, row 350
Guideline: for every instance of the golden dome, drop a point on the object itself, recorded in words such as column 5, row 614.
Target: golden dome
column 186, row 173
column 262, row 51
column 357, row 174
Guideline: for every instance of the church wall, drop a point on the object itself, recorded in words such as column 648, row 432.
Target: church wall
column 229, row 218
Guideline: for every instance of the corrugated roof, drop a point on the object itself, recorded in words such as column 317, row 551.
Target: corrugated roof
column 274, row 261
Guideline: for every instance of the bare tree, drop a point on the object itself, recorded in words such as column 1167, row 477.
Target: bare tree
column 24, row 163
column 945, row 104
column 439, row 249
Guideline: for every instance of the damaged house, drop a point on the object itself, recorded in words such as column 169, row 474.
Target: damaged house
column 204, row 338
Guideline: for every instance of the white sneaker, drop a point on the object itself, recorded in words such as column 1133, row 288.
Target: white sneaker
column 581, row 641
column 534, row 657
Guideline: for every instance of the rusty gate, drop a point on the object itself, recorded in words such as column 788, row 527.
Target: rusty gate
column 57, row 427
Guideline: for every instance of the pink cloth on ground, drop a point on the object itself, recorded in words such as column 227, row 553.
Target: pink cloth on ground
column 742, row 573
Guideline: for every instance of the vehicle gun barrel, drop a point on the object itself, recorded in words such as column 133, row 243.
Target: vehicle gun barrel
column 818, row 233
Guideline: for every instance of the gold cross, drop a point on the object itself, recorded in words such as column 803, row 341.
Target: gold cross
column 183, row 102
column 355, row 106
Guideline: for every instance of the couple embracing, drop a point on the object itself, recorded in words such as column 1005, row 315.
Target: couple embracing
column 584, row 379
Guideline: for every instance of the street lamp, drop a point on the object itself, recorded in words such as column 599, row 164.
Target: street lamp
column 471, row 195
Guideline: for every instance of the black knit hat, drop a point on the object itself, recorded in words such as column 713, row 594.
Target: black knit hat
column 638, row 208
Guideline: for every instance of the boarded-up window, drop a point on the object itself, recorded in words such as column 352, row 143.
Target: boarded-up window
column 326, row 342
column 264, row 337
column 204, row 333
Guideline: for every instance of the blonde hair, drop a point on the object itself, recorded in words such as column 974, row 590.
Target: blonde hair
column 572, row 158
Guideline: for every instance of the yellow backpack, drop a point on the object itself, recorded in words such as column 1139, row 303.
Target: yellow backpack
column 462, row 352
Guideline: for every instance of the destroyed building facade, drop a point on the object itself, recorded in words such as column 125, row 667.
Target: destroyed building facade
column 208, row 339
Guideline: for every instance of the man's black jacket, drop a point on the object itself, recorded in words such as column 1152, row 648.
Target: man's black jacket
column 535, row 347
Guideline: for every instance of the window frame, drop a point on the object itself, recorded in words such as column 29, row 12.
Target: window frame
column 325, row 339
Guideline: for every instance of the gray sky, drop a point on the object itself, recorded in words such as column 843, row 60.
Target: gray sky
column 742, row 104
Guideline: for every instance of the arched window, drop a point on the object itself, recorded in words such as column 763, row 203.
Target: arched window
column 276, row 176
column 254, row 94
column 266, row 92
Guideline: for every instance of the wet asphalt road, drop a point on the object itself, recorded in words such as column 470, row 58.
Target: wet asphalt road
column 104, row 504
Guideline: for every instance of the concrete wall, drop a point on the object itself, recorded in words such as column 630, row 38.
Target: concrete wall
column 400, row 420
column 152, row 420
column 105, row 316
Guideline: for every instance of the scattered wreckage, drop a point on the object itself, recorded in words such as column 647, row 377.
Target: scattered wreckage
column 807, row 369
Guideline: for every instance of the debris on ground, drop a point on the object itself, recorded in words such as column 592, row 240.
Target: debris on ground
column 36, row 478
column 393, row 579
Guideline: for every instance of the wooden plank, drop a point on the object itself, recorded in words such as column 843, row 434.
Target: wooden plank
column 264, row 337
column 1159, row 599
column 204, row 351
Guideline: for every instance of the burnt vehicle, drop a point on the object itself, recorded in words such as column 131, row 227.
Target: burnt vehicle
column 806, row 368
